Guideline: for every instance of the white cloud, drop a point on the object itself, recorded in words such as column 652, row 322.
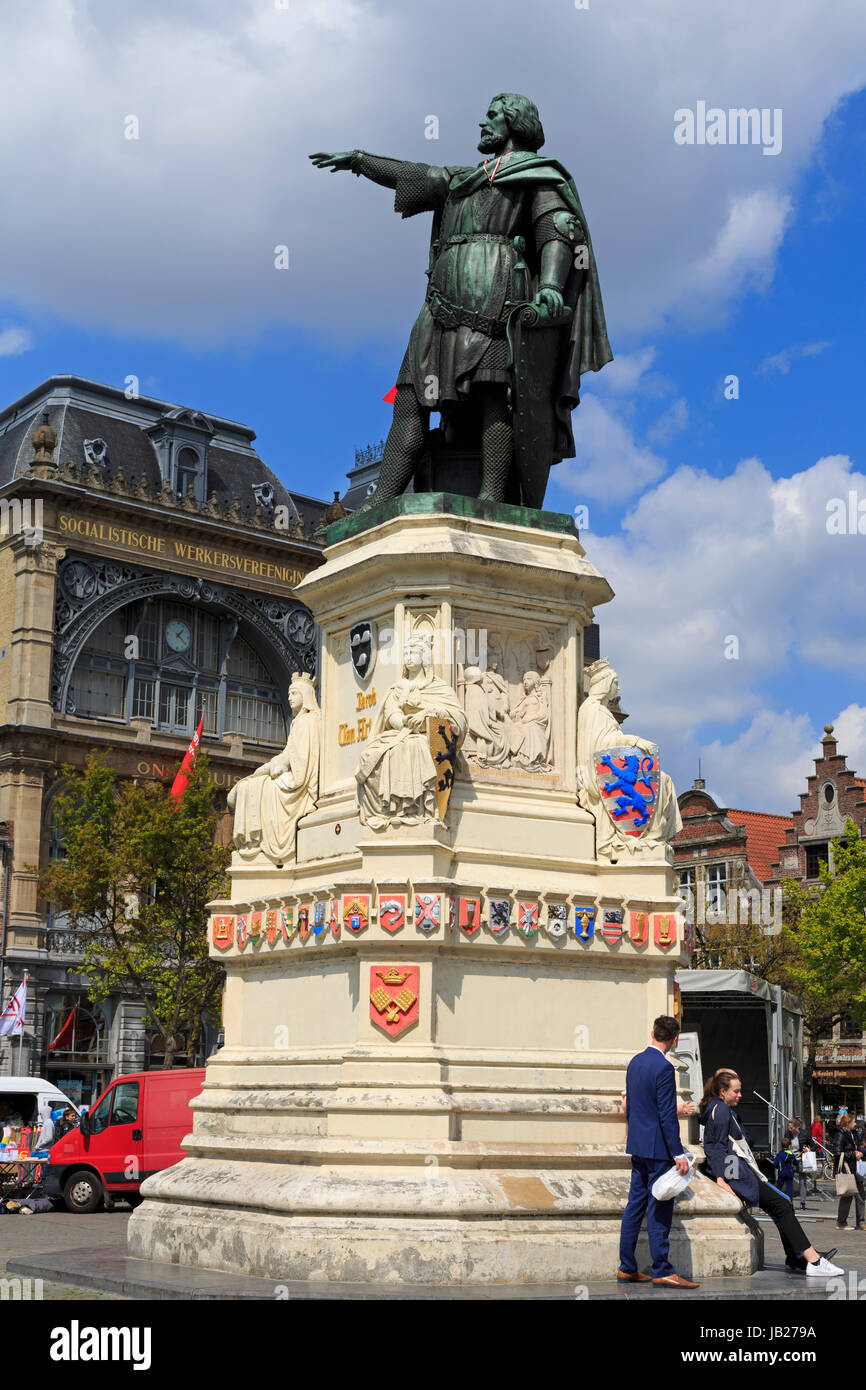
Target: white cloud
column 849, row 729
column 781, row 361
column 700, row 560
column 766, row 765
column 14, row 340
column 173, row 233
column 672, row 421
column 610, row 465
column 743, row 254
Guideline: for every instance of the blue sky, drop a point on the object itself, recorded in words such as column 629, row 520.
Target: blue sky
column 708, row 515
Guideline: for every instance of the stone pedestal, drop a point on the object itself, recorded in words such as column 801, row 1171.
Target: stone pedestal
column 436, row 1097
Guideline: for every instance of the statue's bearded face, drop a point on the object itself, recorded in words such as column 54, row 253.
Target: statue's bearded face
column 495, row 130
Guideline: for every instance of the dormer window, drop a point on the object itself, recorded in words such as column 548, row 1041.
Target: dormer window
column 187, row 470
column 182, row 439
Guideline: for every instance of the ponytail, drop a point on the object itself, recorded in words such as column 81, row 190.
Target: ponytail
column 721, row 1081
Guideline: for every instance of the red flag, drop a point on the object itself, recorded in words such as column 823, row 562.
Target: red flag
column 391, row 396
column 179, row 785
column 67, row 1030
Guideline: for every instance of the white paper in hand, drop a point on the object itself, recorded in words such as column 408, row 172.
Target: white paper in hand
column 672, row 1184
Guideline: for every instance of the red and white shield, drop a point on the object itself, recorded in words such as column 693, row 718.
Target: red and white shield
column 469, row 915
column 392, row 911
column 334, row 918
column 394, row 991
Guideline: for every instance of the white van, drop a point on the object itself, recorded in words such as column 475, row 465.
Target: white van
column 30, row 1097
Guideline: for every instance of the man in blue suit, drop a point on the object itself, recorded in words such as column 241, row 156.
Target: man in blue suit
column 654, row 1144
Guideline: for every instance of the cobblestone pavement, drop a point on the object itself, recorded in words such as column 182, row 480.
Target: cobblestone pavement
column 60, row 1230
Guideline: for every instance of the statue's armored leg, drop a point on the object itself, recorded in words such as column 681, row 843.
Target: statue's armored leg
column 404, row 447
column 496, row 444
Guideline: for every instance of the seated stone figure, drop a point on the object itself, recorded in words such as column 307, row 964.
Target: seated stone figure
column 597, row 733
column 396, row 773
column 269, row 803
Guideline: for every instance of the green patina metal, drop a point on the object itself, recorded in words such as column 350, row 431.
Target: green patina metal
column 448, row 504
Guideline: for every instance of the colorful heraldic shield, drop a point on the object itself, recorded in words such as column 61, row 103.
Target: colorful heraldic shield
column 334, row 918
column 557, row 920
column 287, row 923
column 499, row 916
column 638, row 928
column 320, row 919
column 256, row 929
column 394, row 994
column 527, row 920
column 392, row 912
column 303, row 922
column 584, row 923
column 443, row 751
column 242, row 932
column 223, row 932
column 469, row 915
column 452, row 913
column 428, row 912
column 611, row 926
column 628, row 779
column 665, row 930
column 356, row 911
column 272, row 927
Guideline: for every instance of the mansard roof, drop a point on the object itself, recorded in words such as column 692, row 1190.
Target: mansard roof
column 80, row 410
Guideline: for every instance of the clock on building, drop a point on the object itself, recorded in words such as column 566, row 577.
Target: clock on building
column 178, row 635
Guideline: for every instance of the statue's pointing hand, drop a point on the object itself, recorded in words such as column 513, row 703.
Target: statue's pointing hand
column 334, row 162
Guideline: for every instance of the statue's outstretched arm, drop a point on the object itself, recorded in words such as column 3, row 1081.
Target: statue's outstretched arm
column 379, row 168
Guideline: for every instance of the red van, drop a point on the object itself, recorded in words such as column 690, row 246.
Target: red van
column 134, row 1129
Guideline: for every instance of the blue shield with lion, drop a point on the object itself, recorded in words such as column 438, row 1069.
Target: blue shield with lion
column 628, row 780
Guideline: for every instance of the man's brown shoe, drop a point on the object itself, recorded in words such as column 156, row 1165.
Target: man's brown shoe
column 637, row 1278
column 675, row 1281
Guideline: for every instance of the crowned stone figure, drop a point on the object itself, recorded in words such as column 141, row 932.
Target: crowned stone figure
column 396, row 773
column 657, row 818
column 269, row 803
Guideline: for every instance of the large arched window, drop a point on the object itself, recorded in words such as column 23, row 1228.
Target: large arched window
column 172, row 663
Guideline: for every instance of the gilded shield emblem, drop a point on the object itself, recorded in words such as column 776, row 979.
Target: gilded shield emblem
column 443, row 751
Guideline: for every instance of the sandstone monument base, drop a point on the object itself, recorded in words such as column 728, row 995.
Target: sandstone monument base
column 427, row 1025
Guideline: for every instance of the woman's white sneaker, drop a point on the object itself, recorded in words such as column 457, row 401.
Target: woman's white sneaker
column 822, row 1269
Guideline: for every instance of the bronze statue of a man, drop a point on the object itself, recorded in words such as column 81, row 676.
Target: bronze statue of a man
column 512, row 316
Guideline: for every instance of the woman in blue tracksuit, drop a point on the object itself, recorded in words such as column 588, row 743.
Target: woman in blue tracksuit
column 731, row 1171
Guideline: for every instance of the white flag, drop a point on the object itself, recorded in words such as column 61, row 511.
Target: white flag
column 12, row 1017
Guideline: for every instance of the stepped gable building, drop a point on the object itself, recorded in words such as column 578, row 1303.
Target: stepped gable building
column 832, row 793
column 148, row 560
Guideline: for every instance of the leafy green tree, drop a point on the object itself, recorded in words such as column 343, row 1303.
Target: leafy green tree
column 137, row 872
column 825, row 930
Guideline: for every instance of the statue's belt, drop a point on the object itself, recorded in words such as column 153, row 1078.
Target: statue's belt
column 462, row 238
column 450, row 315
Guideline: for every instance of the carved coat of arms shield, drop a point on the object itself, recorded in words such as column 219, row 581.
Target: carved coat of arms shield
column 362, row 648
column 628, row 780
column 443, row 750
